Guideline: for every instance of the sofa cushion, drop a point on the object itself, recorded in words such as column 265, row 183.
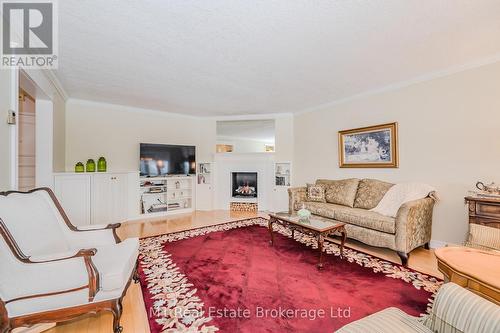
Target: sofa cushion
column 315, row 193
column 321, row 208
column 367, row 219
column 370, row 192
column 342, row 192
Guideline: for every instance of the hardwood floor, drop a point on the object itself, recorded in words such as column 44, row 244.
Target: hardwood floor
column 134, row 319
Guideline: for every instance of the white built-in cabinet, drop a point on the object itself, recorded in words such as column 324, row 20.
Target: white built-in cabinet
column 73, row 192
column 94, row 198
column 205, row 185
column 109, row 197
column 282, row 181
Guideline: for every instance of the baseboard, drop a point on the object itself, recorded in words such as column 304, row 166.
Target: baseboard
column 435, row 244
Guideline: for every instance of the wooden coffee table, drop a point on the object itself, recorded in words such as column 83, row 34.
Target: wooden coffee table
column 315, row 226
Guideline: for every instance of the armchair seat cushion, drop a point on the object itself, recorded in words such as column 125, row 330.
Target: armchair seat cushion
column 366, row 219
column 390, row 320
column 115, row 263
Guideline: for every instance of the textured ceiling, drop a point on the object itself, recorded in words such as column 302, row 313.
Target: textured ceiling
column 231, row 57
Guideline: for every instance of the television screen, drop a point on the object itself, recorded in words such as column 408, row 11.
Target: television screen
column 161, row 160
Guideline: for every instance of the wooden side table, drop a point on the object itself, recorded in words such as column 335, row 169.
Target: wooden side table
column 485, row 211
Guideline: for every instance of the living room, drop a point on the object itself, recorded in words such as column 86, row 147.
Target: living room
column 251, row 167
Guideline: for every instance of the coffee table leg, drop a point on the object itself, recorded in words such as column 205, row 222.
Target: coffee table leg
column 270, row 226
column 342, row 242
column 320, row 249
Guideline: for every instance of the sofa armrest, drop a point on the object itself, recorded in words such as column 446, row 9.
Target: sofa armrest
column 457, row 309
column 414, row 224
column 296, row 195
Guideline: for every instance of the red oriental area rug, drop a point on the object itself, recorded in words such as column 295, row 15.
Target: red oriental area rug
column 228, row 278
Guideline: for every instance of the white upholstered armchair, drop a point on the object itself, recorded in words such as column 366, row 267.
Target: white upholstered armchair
column 52, row 271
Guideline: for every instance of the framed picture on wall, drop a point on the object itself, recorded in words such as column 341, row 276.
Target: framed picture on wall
column 369, row 147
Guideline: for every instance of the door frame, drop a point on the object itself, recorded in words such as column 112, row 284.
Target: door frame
column 14, row 129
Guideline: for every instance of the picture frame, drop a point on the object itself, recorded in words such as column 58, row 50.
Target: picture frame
column 369, row 147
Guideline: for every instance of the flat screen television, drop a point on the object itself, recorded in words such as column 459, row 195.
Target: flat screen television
column 161, row 160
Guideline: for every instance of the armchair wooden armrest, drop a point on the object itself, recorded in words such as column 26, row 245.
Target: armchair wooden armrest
column 61, row 256
column 86, row 254
column 97, row 227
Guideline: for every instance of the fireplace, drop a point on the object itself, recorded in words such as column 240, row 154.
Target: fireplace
column 244, row 184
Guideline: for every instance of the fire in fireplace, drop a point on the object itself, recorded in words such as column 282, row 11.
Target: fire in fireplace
column 244, row 184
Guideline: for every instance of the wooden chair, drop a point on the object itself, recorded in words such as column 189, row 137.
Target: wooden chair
column 52, row 271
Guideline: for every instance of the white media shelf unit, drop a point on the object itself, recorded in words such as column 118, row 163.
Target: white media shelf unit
column 166, row 195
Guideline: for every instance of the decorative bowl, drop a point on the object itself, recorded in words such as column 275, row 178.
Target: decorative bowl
column 304, row 214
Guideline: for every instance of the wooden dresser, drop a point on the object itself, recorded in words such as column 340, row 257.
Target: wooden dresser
column 485, row 211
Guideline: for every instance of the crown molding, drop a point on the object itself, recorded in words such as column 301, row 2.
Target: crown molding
column 403, row 84
column 49, row 74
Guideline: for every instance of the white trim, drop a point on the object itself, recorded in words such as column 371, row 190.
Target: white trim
column 402, row 84
column 14, row 130
column 56, row 83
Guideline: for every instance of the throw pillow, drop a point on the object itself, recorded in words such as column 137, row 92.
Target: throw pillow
column 315, row 193
column 370, row 192
column 342, row 192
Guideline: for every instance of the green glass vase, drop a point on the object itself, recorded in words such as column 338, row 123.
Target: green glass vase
column 101, row 164
column 79, row 167
column 90, row 165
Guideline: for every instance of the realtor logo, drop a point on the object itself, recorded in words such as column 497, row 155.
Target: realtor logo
column 29, row 34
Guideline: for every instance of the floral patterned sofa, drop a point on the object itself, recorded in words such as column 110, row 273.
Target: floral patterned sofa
column 351, row 200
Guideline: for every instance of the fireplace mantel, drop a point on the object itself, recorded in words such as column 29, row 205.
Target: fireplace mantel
column 228, row 163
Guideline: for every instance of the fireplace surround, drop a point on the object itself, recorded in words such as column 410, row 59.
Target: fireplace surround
column 244, row 184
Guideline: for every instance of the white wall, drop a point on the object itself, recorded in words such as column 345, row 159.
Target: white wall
column 449, row 136
column 114, row 131
column 284, row 138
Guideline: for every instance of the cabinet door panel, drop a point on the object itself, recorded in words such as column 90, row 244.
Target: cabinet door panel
column 119, row 198
column 101, row 199
column 73, row 192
